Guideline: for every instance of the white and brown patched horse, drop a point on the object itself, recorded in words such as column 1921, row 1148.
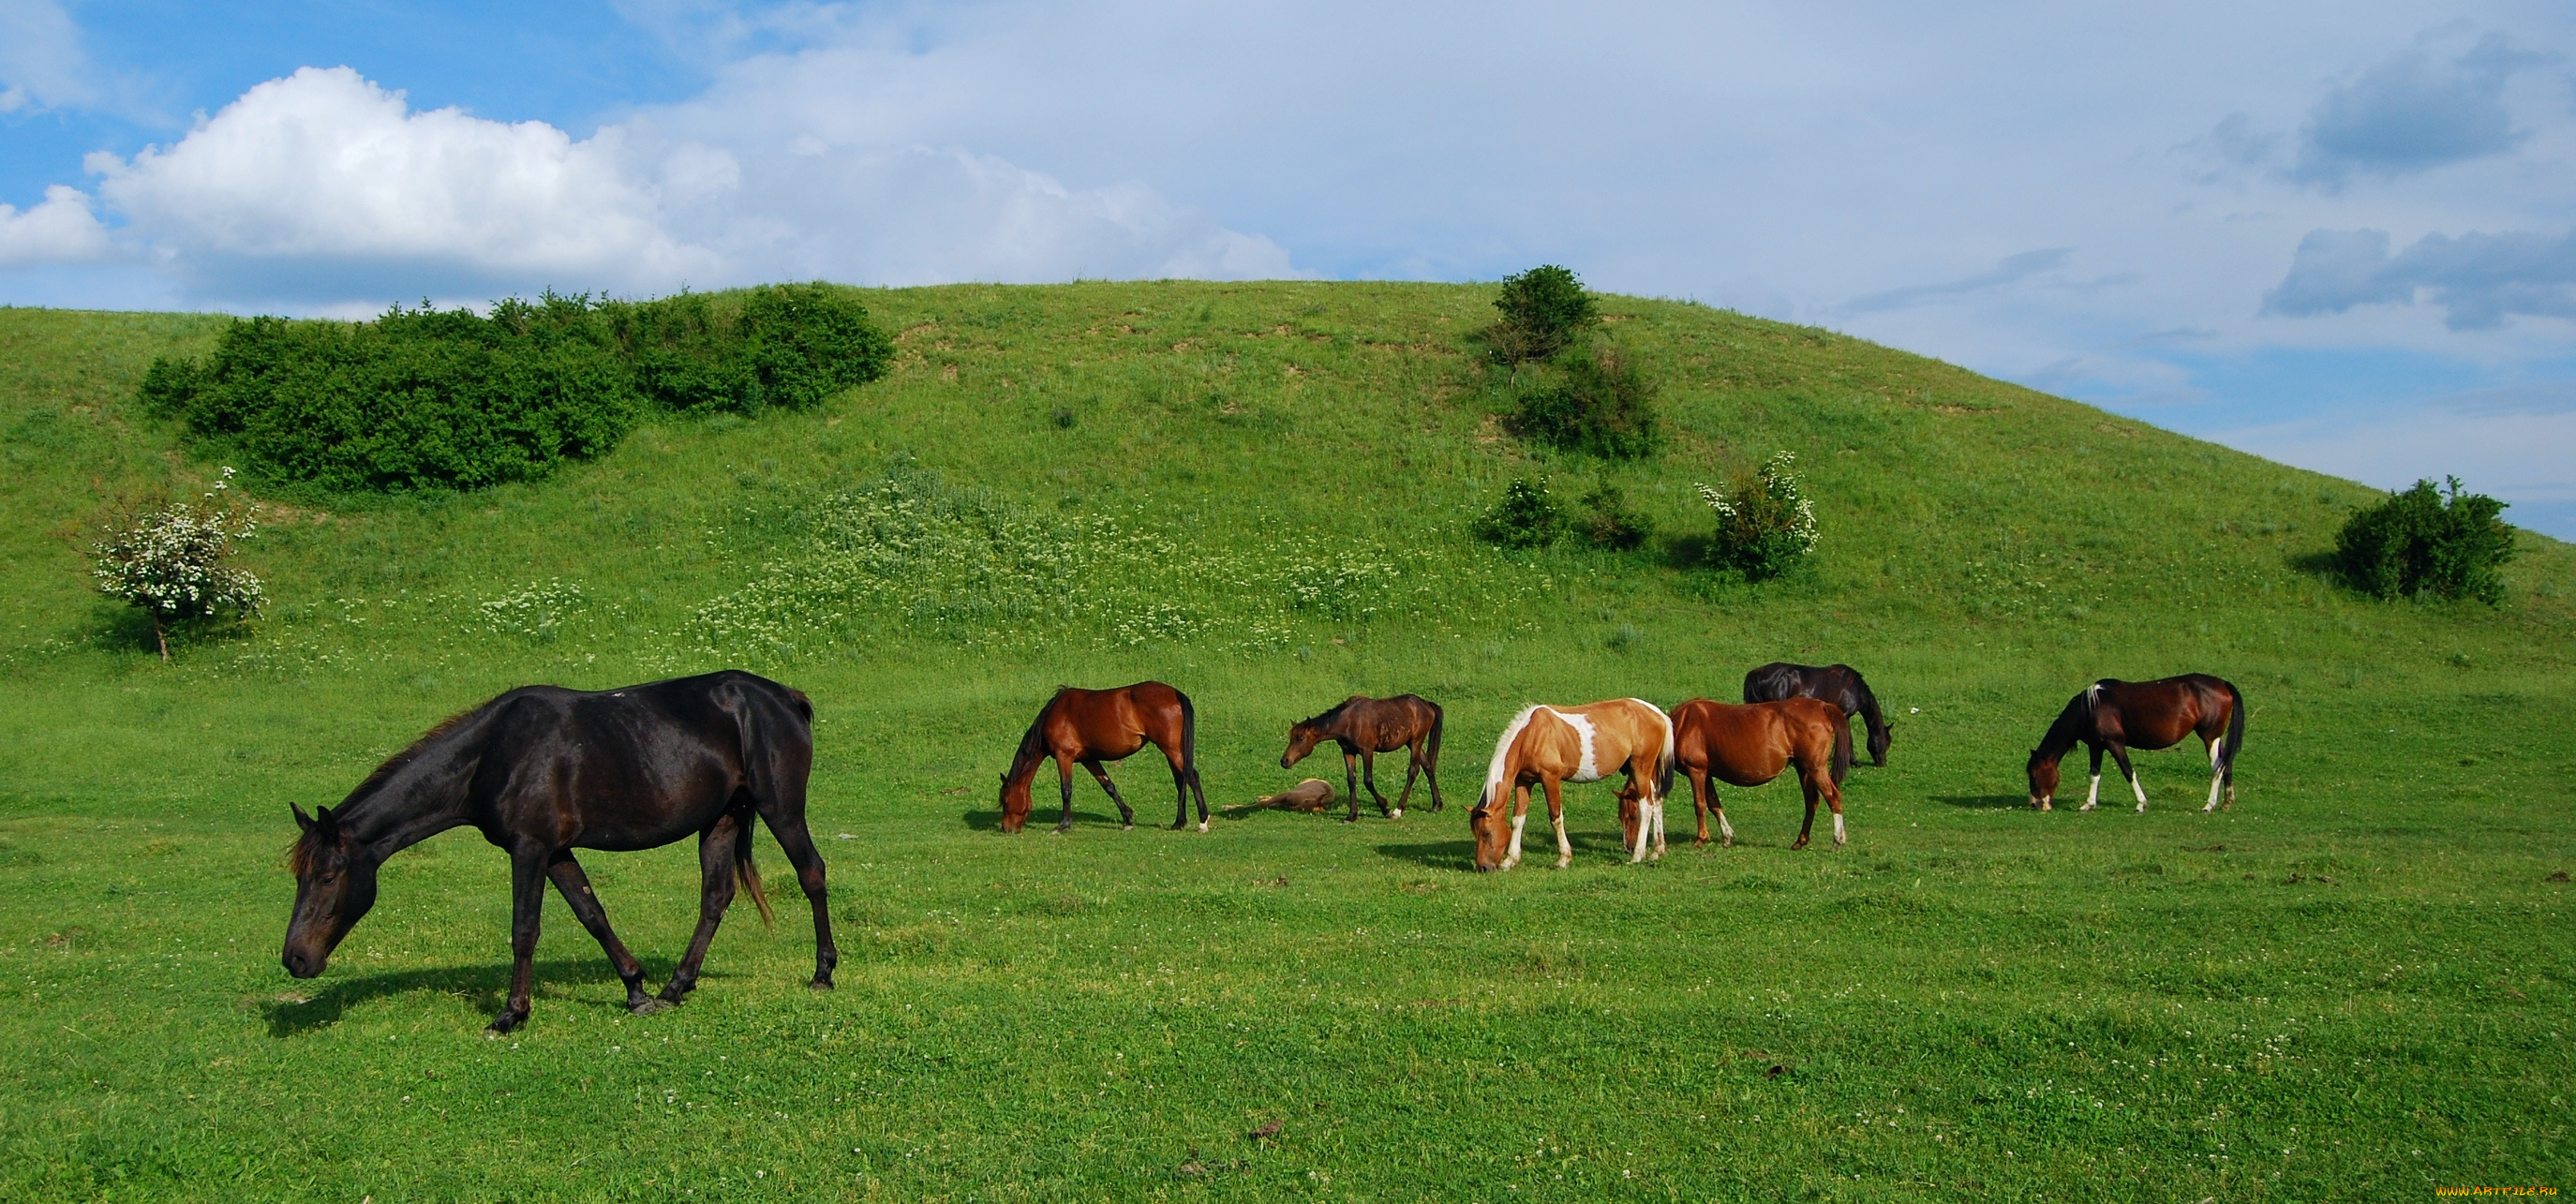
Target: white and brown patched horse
column 1547, row 746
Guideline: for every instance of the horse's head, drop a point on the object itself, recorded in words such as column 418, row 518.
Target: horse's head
column 1303, row 736
column 1878, row 742
column 2043, row 780
column 335, row 884
column 1491, row 824
column 1015, row 803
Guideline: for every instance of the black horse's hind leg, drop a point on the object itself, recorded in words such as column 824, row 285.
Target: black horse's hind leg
column 527, row 907
column 1126, row 815
column 1430, row 772
column 1368, row 774
column 715, row 894
column 575, row 886
column 798, row 844
column 1185, row 782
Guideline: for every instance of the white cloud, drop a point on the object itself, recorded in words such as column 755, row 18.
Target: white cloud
column 59, row 229
column 41, row 64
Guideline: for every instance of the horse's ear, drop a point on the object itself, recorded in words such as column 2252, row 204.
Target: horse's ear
column 1006, row 777
column 323, row 819
column 303, row 822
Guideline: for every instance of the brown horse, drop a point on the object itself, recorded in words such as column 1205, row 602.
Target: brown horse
column 541, row 771
column 1313, row 794
column 2121, row 715
column 1547, row 746
column 1365, row 727
column 1750, row 744
column 1087, row 727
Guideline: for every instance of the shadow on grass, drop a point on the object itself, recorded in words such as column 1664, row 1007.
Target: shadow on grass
column 1435, row 855
column 483, row 986
column 1043, row 819
column 1984, row 802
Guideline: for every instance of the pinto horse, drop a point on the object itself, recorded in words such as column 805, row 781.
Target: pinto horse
column 541, row 771
column 1749, row 745
column 1838, row 684
column 1547, row 746
column 2121, row 715
column 1087, row 727
column 1365, row 727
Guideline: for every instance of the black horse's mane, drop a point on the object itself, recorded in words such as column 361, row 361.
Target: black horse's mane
column 2071, row 725
column 1033, row 746
column 1330, row 714
column 299, row 856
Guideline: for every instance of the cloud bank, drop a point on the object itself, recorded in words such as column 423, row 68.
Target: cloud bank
column 2477, row 279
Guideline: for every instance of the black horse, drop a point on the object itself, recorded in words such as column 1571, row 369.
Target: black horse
column 543, row 770
column 1838, row 684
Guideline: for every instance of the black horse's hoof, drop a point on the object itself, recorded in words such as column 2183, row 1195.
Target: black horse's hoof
column 819, row 984
column 505, row 1023
column 650, row 1006
column 1129, row 826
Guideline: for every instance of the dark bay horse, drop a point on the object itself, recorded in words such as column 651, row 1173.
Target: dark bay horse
column 1749, row 745
column 1365, row 727
column 1838, row 684
column 1087, row 727
column 541, row 771
column 2121, row 715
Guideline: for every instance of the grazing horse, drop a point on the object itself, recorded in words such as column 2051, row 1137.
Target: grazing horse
column 541, row 771
column 1838, row 684
column 1087, row 727
column 1750, row 744
column 1550, row 745
column 1365, row 727
column 2121, row 715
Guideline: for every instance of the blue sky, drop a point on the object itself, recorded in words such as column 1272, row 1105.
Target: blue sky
column 2341, row 235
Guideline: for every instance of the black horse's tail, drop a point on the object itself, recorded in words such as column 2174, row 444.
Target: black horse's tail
column 2235, row 733
column 1842, row 762
column 749, row 875
column 1189, row 738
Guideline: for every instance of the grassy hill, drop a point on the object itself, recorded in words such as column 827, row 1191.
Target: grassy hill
column 2354, row 985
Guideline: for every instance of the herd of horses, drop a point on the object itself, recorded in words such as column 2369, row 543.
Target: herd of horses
column 541, row 771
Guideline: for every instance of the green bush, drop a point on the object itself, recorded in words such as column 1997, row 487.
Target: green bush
column 168, row 560
column 1526, row 517
column 1607, row 521
column 1592, row 400
column 2421, row 542
column 1543, row 310
column 1765, row 524
column 425, row 399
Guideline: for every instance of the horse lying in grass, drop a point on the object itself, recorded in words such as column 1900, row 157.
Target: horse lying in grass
column 1840, row 685
column 541, row 771
column 1365, row 727
column 1547, row 746
column 1313, row 794
column 1087, row 727
column 1749, row 745
column 2121, row 715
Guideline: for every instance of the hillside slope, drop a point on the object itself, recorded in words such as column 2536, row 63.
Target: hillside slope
column 1260, row 493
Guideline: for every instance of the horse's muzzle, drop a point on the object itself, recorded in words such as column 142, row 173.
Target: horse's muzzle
column 301, row 965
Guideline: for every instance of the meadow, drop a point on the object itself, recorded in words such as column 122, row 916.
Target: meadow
column 2354, row 985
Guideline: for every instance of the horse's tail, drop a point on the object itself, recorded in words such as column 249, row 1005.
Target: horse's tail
column 2235, row 733
column 1840, row 767
column 1431, row 743
column 1671, row 755
column 1189, row 738
column 749, row 875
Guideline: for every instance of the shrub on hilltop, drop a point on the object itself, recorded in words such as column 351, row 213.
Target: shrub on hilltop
column 2421, row 542
column 424, row 399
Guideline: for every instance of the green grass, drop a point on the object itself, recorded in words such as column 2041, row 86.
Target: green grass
column 2356, row 985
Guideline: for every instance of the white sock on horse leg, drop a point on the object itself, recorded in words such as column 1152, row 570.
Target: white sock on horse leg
column 2095, row 796
column 1564, row 847
column 1513, row 858
column 1724, row 828
column 1838, row 830
column 2139, row 784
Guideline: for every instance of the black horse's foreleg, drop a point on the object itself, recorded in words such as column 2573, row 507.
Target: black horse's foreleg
column 1064, row 778
column 575, row 886
column 527, row 907
column 798, row 844
column 1350, row 779
column 715, row 894
column 2093, row 792
column 1368, row 774
column 1126, row 815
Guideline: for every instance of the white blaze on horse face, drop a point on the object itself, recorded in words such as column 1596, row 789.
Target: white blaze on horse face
column 1587, row 768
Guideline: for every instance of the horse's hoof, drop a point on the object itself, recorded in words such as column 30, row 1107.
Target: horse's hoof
column 819, row 984
column 1798, row 844
column 2142, row 808
column 650, row 1006
column 1127, row 827
column 1395, row 815
column 1203, row 825
column 504, row 1023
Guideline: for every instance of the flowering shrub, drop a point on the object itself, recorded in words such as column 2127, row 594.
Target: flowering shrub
column 536, row 612
column 1765, row 525
column 169, row 561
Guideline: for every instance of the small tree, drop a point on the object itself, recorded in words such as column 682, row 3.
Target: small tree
column 169, row 560
column 1526, row 517
column 1543, row 310
column 1599, row 403
column 1766, row 524
column 2421, row 542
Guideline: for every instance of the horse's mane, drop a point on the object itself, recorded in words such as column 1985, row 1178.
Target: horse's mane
column 1868, row 700
column 1033, row 745
column 1330, row 713
column 2069, row 727
column 1503, row 749
column 299, row 856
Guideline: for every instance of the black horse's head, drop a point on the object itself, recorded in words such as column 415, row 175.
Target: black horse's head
column 335, row 884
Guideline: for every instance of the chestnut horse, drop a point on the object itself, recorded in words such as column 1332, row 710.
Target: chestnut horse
column 541, row 771
column 1547, row 746
column 1749, row 745
column 1365, row 727
column 2121, row 715
column 1087, row 727
column 1838, row 684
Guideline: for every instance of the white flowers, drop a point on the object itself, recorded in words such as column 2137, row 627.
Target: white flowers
column 169, row 561
column 1768, row 523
